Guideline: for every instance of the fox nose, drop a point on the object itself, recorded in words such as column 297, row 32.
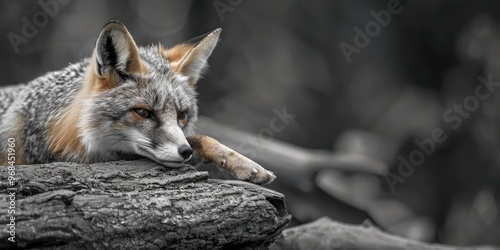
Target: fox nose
column 185, row 151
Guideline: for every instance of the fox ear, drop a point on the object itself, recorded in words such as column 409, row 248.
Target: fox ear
column 116, row 53
column 190, row 58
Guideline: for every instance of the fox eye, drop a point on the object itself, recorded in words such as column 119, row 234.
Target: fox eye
column 182, row 118
column 144, row 113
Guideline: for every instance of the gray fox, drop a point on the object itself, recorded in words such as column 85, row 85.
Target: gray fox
column 124, row 102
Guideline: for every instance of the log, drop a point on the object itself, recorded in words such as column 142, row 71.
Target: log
column 325, row 233
column 135, row 205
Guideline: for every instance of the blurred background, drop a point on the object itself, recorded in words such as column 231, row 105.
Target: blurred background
column 388, row 106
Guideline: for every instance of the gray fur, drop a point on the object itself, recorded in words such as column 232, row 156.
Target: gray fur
column 43, row 100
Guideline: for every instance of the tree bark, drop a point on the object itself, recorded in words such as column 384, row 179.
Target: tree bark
column 325, row 233
column 135, row 205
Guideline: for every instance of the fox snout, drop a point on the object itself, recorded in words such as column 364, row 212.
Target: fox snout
column 172, row 149
column 171, row 155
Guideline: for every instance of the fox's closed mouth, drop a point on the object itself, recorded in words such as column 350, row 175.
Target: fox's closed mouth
column 151, row 156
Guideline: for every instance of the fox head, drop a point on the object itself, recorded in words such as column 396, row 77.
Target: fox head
column 142, row 101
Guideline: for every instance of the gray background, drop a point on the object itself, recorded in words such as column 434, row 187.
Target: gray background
column 276, row 54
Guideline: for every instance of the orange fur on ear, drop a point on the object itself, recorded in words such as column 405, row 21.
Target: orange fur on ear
column 190, row 58
column 175, row 55
column 97, row 83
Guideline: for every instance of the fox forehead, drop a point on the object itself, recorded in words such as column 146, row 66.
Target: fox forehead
column 163, row 91
column 159, row 85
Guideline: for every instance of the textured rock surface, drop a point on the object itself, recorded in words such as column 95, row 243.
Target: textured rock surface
column 137, row 204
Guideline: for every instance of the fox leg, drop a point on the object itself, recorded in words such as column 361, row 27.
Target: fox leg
column 210, row 150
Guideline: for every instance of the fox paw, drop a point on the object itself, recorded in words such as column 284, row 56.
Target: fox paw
column 247, row 170
column 225, row 158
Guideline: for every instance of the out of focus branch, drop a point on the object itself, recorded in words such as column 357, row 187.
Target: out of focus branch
column 290, row 161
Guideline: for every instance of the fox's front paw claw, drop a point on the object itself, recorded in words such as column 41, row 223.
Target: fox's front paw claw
column 264, row 178
column 253, row 172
